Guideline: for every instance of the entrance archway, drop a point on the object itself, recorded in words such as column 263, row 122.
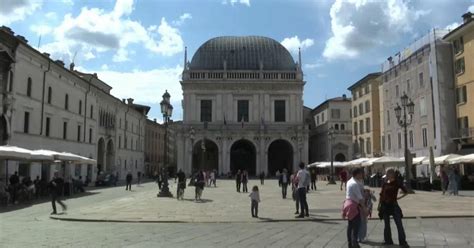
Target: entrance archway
column 340, row 157
column 280, row 156
column 100, row 154
column 110, row 156
column 243, row 156
column 205, row 155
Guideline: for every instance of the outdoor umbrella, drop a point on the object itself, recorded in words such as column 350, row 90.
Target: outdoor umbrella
column 446, row 159
column 13, row 153
column 463, row 159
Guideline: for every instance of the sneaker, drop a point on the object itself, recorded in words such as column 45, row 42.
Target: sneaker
column 300, row 216
column 307, row 215
column 404, row 245
column 54, row 213
column 388, row 243
column 297, row 212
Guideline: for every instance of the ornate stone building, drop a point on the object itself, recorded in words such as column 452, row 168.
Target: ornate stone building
column 242, row 108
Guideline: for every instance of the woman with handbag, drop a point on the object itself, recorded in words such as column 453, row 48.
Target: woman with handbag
column 389, row 207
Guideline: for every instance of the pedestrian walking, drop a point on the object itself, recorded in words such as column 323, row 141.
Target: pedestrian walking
column 238, row 180
column 354, row 206
column 181, row 184
column 343, row 177
column 388, row 206
column 212, row 176
column 303, row 183
column 294, row 189
column 128, row 181
column 254, row 200
column 283, row 181
column 313, row 179
column 245, row 180
column 369, row 198
column 139, row 178
column 444, row 181
column 262, row 178
column 56, row 187
column 199, row 183
column 14, row 186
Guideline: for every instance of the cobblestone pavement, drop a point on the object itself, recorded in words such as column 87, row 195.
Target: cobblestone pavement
column 30, row 226
column 224, row 204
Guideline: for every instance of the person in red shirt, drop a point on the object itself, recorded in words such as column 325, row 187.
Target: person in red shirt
column 389, row 207
column 343, row 178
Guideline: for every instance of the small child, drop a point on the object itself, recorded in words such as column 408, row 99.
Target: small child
column 369, row 198
column 255, row 199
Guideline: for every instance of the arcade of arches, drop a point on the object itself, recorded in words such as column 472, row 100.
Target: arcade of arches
column 205, row 156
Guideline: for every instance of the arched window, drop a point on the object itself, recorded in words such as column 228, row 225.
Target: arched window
column 50, row 94
column 343, row 127
column 66, row 102
column 336, row 126
column 28, row 87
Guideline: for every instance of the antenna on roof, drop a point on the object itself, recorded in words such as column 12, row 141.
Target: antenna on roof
column 74, row 57
column 39, row 41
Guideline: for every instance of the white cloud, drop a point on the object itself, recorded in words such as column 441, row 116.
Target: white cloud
column 233, row 2
column 294, row 43
column 17, row 10
column 51, row 15
column 68, row 2
column 104, row 67
column 96, row 30
column 41, row 29
column 182, row 19
column 359, row 25
column 452, row 26
column 313, row 66
column 471, row 9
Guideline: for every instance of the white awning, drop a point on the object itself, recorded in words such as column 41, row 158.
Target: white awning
column 446, row 159
column 14, row 152
column 356, row 162
column 463, row 159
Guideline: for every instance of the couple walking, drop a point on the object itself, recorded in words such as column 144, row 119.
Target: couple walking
column 299, row 184
column 242, row 178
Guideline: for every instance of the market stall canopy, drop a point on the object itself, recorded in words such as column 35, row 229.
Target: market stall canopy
column 463, row 159
column 418, row 160
column 328, row 164
column 356, row 162
column 446, row 159
column 387, row 160
column 369, row 162
column 42, row 155
column 14, row 152
column 66, row 156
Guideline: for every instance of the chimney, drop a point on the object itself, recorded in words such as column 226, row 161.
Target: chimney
column 130, row 101
column 467, row 17
column 7, row 29
column 123, row 100
column 95, row 75
column 154, row 120
column 344, row 97
column 46, row 54
column 22, row 38
column 59, row 62
column 71, row 66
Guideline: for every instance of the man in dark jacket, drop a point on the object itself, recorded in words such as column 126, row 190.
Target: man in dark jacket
column 56, row 185
column 14, row 185
column 129, row 181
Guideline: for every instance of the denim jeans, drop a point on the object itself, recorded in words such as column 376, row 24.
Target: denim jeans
column 353, row 230
column 284, row 188
column 254, row 208
column 397, row 218
column 303, row 202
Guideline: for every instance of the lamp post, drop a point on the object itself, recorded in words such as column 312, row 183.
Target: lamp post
column 408, row 109
column 167, row 111
column 192, row 134
column 331, row 140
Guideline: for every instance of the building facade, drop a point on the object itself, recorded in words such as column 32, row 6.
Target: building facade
column 48, row 106
column 242, row 108
column 332, row 120
column 366, row 116
column 424, row 71
column 462, row 40
column 154, row 146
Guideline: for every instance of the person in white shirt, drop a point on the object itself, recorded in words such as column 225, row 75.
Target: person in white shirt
column 303, row 178
column 254, row 200
column 355, row 193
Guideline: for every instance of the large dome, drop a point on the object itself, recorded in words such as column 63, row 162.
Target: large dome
column 242, row 53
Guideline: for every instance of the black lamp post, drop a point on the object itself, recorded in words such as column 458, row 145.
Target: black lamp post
column 331, row 140
column 167, row 111
column 408, row 108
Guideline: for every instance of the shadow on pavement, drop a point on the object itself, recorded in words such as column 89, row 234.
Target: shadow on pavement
column 21, row 205
column 201, row 201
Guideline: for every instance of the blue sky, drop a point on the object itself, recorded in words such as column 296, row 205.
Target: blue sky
column 138, row 46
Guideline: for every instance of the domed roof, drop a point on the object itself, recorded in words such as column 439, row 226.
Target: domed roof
column 242, row 53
